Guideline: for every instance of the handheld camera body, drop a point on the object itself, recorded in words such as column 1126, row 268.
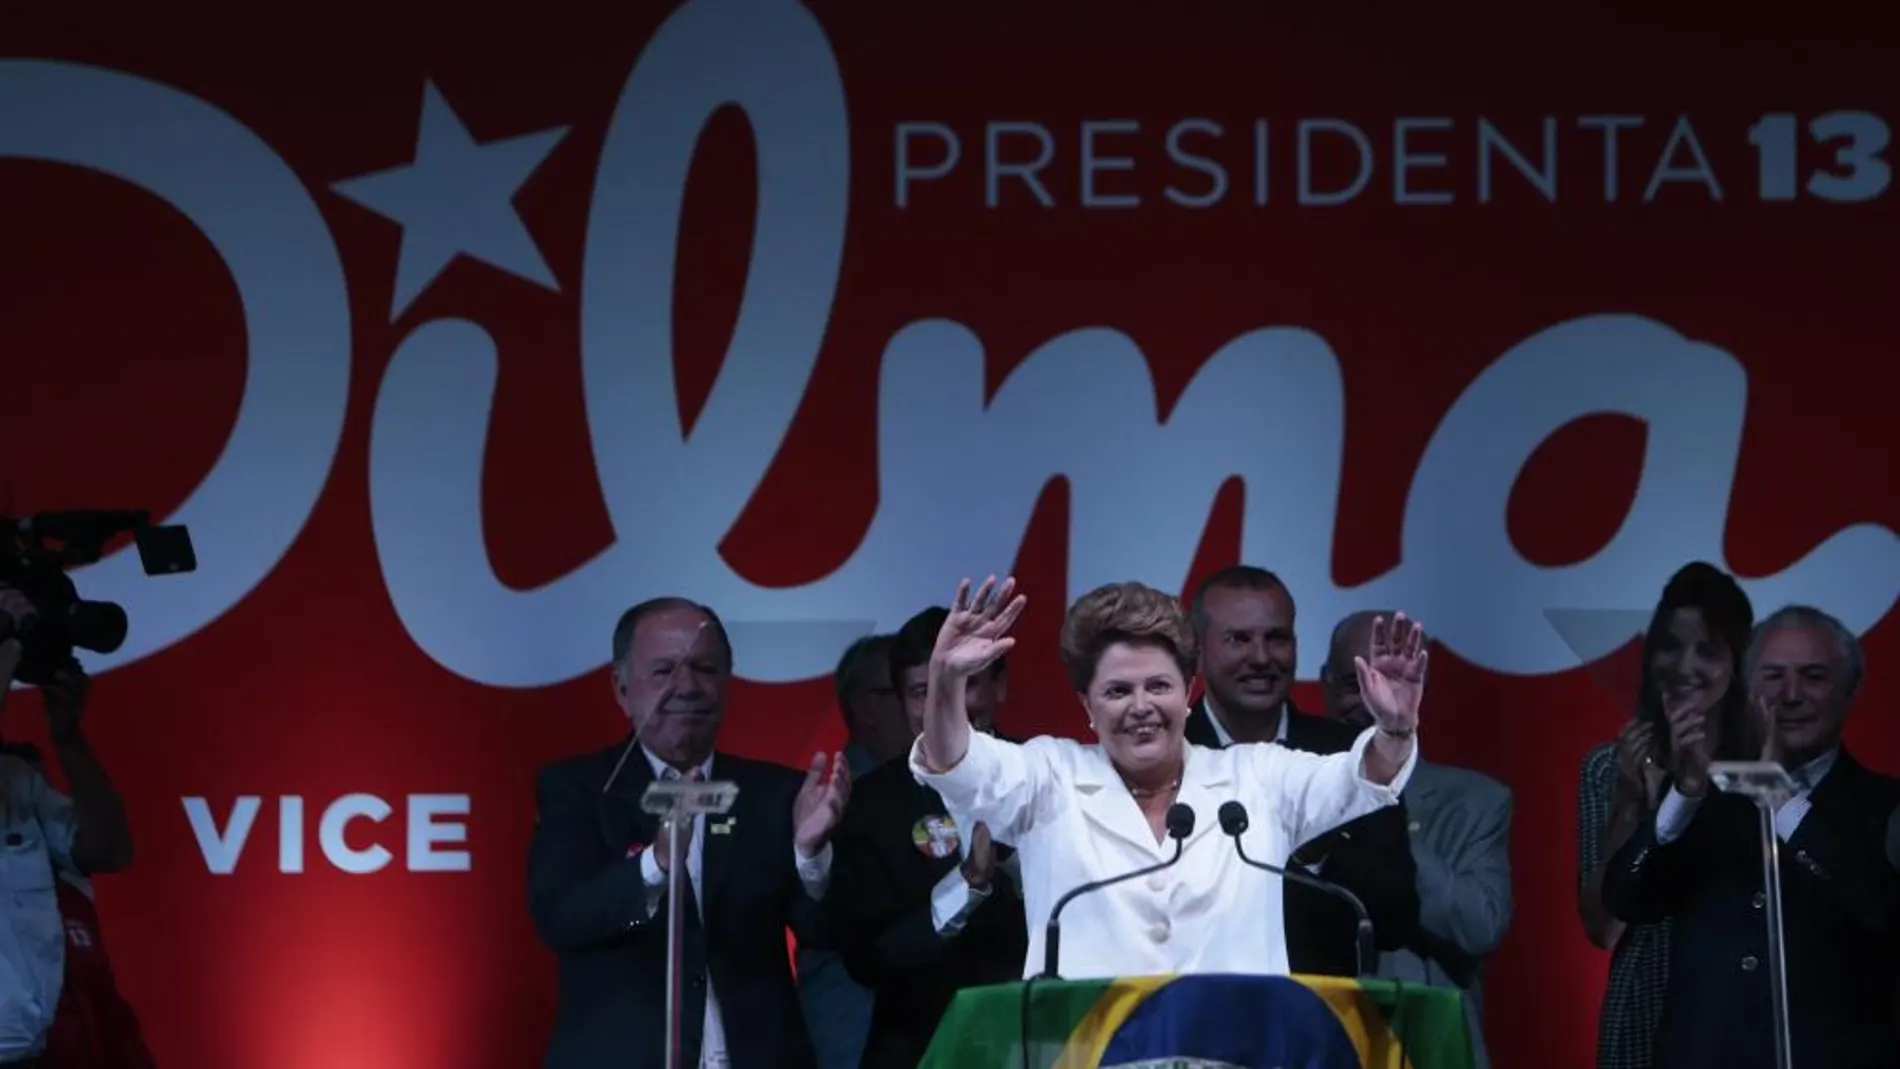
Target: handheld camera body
column 34, row 556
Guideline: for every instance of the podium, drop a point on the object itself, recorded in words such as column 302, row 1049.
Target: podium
column 1226, row 1021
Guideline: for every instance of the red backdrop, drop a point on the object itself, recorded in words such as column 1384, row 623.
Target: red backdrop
column 419, row 498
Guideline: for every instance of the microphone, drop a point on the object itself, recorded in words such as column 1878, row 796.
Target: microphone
column 1180, row 825
column 1233, row 821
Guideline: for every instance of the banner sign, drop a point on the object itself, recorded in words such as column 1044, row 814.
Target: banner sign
column 452, row 334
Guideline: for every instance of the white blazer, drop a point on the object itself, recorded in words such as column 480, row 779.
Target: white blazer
column 1072, row 820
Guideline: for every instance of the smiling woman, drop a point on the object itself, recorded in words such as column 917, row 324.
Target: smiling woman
column 1692, row 663
column 1078, row 813
column 1130, row 652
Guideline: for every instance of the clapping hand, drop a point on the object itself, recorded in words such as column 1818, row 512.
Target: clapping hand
column 980, row 866
column 662, row 846
column 820, row 803
column 1771, row 746
column 1689, row 741
column 1392, row 676
column 1639, row 774
column 976, row 632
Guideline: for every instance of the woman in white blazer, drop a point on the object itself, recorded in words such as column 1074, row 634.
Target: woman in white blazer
column 1078, row 812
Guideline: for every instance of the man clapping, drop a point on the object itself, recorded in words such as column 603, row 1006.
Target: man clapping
column 596, row 879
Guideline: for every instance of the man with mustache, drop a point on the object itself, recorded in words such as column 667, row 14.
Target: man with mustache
column 1460, row 833
column 1249, row 656
column 597, row 886
column 1697, row 862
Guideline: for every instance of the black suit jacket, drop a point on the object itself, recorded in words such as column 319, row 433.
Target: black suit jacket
column 1838, row 920
column 1370, row 856
column 879, row 905
column 589, row 905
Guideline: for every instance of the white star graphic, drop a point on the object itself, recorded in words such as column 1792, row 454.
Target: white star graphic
column 457, row 198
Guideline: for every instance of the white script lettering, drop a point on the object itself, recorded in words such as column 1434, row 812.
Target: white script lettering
column 432, row 828
column 1459, row 570
column 256, row 213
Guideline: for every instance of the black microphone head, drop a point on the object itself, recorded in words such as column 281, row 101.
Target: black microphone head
column 1180, row 820
column 1233, row 818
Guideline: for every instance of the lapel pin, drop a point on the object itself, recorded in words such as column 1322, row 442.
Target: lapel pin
column 724, row 827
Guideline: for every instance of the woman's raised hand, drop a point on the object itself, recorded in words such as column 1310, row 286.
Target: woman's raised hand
column 976, row 632
column 1392, row 676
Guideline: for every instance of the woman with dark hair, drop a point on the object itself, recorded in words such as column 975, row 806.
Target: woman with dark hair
column 1078, row 812
column 1692, row 660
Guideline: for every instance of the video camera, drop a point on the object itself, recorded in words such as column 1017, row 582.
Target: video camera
column 34, row 556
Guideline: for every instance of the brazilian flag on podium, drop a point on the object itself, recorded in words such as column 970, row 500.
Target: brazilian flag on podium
column 1205, row 1022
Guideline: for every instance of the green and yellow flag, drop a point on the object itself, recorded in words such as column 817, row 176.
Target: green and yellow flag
column 1205, row 1022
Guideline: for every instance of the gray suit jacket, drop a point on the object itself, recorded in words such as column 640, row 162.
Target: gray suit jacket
column 1461, row 837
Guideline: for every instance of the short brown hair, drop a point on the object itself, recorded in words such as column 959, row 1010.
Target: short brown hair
column 1232, row 577
column 1125, row 612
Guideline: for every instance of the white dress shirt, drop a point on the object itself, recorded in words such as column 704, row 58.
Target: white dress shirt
column 38, row 840
column 952, row 899
column 813, row 872
column 1072, row 820
column 1676, row 810
column 1227, row 737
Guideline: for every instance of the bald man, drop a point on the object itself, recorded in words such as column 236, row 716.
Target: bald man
column 1460, row 833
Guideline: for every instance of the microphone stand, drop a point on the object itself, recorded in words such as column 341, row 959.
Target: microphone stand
column 1233, row 823
column 677, row 826
column 1180, row 825
column 1366, row 948
column 678, row 803
column 1052, row 933
column 1766, row 783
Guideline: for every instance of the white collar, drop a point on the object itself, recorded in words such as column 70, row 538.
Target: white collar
column 1226, row 738
column 1810, row 775
column 661, row 769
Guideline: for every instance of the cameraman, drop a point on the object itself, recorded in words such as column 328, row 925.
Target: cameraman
column 45, row 831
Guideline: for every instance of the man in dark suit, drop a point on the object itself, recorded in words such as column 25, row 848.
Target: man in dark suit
column 596, row 869
column 922, row 906
column 1249, row 657
column 1697, row 862
column 1460, row 833
column 837, row 1009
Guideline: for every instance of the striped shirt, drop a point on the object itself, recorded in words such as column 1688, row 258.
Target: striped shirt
column 1639, row 966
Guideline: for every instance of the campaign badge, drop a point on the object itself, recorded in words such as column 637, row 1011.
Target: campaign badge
column 936, row 836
